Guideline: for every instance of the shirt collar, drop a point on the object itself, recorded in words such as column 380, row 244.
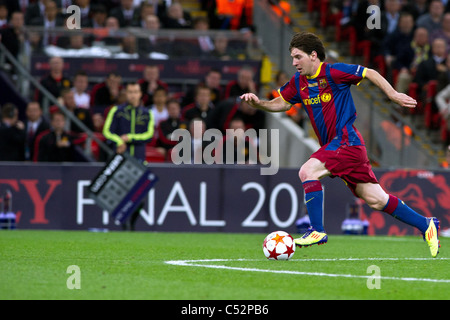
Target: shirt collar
column 317, row 72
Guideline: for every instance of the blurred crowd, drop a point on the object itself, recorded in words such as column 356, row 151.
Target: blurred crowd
column 54, row 136
column 408, row 42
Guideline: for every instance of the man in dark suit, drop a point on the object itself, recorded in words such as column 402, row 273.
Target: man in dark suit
column 35, row 125
column 125, row 13
column 52, row 18
column 12, row 134
column 428, row 69
column 55, row 80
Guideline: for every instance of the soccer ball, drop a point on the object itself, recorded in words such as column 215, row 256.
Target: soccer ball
column 279, row 245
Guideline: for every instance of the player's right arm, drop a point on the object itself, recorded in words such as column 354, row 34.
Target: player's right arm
column 275, row 105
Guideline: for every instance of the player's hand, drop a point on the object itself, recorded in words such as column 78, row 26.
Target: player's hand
column 404, row 100
column 250, row 98
column 121, row 148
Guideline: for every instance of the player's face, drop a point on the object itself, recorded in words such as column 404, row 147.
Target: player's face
column 302, row 62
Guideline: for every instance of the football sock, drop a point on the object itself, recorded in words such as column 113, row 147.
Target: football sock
column 314, row 203
column 399, row 210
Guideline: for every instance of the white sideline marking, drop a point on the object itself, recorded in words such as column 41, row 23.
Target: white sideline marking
column 201, row 264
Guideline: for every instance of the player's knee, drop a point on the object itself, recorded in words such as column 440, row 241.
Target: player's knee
column 304, row 173
column 376, row 203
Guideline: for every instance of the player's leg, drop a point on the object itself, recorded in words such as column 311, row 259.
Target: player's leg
column 378, row 199
column 310, row 174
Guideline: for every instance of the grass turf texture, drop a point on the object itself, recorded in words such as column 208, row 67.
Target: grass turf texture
column 124, row 265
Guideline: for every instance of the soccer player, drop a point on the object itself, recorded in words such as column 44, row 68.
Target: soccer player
column 324, row 90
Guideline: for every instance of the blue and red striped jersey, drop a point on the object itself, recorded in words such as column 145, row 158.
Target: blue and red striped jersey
column 328, row 101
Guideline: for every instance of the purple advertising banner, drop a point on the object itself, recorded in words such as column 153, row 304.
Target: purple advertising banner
column 213, row 199
column 133, row 68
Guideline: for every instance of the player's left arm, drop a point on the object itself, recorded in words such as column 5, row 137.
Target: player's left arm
column 400, row 98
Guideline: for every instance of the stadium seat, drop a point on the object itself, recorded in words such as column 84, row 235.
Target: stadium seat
column 358, row 48
column 445, row 132
column 432, row 116
column 312, row 5
column 413, row 93
column 327, row 17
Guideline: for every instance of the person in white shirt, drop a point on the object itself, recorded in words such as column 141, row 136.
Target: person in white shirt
column 80, row 85
column 443, row 103
column 159, row 109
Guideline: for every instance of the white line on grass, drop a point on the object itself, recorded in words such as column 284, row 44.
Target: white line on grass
column 200, row 263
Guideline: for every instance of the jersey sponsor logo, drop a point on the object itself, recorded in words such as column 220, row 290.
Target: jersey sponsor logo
column 325, row 97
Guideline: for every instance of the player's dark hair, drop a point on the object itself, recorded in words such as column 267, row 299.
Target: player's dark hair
column 308, row 42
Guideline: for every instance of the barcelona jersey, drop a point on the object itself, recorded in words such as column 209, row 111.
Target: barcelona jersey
column 327, row 99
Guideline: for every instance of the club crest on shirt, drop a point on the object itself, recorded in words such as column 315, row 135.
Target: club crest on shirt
column 323, row 83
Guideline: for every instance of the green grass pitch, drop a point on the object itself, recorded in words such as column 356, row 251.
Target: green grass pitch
column 217, row 266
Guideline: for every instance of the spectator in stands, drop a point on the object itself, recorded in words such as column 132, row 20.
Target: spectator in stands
column 13, row 35
column 126, row 14
column 443, row 76
column 149, row 82
column 205, row 43
column 432, row 20
column 34, row 10
column 408, row 58
column 129, row 46
column 168, row 126
column 146, row 9
column 106, row 94
column 35, row 125
column 85, row 12
column 234, row 14
column 12, row 134
column 244, row 83
column 399, row 41
column 392, row 14
column 51, row 19
column 212, row 81
column 221, row 49
column 197, row 128
column 3, row 15
column 55, row 81
column 99, row 14
column 201, row 107
column 159, row 106
column 443, row 103
column 236, row 147
column 19, row 5
column 416, row 8
column 56, row 144
column 177, row 17
column 444, row 31
column 428, row 69
column 114, row 34
column 81, row 114
column 80, row 86
column 153, row 43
